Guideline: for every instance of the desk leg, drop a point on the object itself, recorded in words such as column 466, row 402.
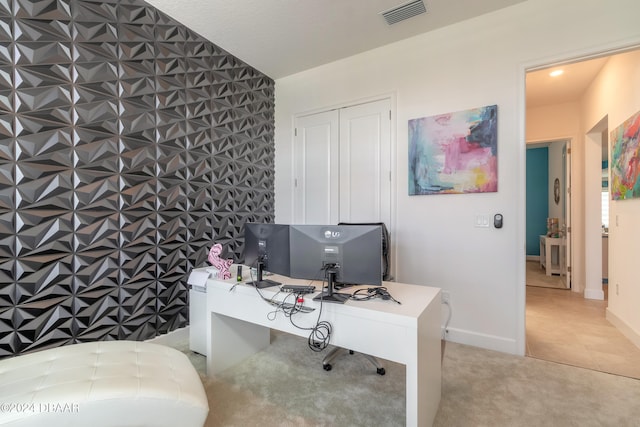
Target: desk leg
column 424, row 371
column 230, row 341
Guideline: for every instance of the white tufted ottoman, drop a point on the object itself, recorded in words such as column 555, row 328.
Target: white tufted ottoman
column 102, row 384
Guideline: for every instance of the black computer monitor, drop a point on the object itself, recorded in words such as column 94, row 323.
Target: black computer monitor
column 266, row 247
column 340, row 253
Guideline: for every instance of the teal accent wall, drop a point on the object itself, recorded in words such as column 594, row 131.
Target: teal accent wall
column 537, row 197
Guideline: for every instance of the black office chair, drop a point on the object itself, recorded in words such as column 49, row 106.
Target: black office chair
column 338, row 351
column 386, row 276
column 386, row 248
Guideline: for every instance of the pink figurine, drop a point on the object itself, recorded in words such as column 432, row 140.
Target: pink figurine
column 221, row 264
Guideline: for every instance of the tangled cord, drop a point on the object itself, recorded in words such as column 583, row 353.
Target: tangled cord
column 319, row 338
column 371, row 293
column 287, row 308
column 320, row 333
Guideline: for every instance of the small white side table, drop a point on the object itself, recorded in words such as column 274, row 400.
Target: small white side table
column 547, row 245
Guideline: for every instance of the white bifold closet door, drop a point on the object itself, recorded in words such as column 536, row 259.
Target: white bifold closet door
column 342, row 165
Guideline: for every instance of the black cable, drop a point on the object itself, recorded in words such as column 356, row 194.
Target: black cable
column 319, row 338
column 287, row 308
column 320, row 334
column 371, row 293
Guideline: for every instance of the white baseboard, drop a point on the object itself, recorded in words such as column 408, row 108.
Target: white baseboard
column 622, row 326
column 489, row 342
column 173, row 338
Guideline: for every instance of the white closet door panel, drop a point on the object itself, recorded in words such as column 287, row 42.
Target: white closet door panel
column 316, row 160
column 365, row 156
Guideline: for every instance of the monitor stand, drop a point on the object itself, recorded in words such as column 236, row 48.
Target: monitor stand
column 329, row 295
column 261, row 283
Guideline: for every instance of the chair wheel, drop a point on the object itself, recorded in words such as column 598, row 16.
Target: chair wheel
column 381, row 371
column 350, row 351
column 328, row 367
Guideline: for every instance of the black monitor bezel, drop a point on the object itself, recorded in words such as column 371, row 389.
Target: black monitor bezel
column 359, row 260
column 266, row 248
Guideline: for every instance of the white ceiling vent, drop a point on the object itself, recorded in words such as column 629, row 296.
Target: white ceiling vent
column 404, row 11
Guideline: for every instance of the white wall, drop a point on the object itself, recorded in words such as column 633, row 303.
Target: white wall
column 552, row 122
column 615, row 94
column 475, row 63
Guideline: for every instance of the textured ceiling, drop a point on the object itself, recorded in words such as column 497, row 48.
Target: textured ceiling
column 283, row 37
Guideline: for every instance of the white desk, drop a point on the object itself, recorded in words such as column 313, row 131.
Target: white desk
column 409, row 334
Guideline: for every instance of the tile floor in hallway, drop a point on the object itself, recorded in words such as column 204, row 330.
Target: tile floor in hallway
column 564, row 327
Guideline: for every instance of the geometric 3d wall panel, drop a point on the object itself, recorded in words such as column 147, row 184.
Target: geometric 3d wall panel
column 128, row 146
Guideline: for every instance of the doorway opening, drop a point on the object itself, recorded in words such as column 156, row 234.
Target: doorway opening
column 547, row 203
column 563, row 325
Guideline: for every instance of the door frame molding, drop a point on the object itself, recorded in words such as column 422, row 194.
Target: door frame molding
column 613, row 48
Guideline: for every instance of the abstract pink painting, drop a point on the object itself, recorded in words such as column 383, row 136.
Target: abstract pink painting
column 454, row 153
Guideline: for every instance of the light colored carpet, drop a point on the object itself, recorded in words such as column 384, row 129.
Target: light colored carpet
column 285, row 385
column 536, row 276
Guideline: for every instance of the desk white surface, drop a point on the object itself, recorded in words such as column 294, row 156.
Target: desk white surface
column 409, row 333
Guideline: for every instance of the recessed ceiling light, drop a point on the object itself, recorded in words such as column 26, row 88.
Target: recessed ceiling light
column 556, row 73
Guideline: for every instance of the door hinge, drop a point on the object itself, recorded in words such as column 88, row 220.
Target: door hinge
column 569, row 150
column 389, row 114
column 569, row 268
column 295, row 131
column 295, row 182
column 568, row 229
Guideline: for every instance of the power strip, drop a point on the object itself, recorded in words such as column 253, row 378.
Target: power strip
column 298, row 289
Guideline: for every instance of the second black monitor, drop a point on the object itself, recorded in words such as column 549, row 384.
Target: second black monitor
column 353, row 251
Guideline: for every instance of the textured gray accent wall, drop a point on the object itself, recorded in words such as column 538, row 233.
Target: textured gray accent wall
column 128, row 146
